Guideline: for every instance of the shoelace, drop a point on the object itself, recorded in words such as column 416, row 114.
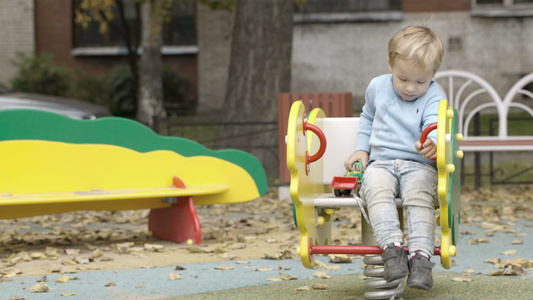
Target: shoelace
column 362, row 208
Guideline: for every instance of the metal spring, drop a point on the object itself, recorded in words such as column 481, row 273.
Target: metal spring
column 381, row 289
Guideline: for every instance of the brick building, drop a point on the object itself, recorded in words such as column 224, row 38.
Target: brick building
column 338, row 45
column 48, row 26
column 17, row 28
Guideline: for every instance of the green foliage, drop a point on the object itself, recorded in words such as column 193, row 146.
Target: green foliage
column 122, row 92
column 88, row 87
column 178, row 96
column 115, row 90
column 518, row 123
column 122, row 100
column 228, row 5
column 39, row 74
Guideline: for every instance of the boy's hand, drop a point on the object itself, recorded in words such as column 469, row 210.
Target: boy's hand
column 360, row 155
column 428, row 150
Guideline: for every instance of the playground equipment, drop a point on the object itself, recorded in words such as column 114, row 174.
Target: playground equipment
column 53, row 164
column 314, row 203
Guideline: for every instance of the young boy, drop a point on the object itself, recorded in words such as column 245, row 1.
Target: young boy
column 398, row 107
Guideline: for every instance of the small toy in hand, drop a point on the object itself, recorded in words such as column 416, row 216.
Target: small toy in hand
column 343, row 185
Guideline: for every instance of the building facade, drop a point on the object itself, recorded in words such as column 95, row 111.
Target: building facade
column 342, row 51
column 338, row 45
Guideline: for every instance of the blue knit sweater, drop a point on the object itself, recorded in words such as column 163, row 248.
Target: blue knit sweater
column 390, row 126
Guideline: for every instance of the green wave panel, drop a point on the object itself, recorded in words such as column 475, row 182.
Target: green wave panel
column 23, row 124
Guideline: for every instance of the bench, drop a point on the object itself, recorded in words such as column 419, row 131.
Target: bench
column 316, row 149
column 53, row 164
column 471, row 95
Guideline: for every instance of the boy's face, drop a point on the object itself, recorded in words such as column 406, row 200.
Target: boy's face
column 410, row 80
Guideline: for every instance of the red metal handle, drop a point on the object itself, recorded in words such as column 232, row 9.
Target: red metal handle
column 321, row 138
column 425, row 133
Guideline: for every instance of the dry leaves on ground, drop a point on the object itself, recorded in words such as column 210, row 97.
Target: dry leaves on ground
column 84, row 240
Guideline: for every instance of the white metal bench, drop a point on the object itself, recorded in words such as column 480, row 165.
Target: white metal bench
column 470, row 94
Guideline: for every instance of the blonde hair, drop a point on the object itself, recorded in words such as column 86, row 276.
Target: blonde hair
column 418, row 45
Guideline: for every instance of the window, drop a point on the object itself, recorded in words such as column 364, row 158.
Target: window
column 320, row 11
column 502, row 8
column 179, row 33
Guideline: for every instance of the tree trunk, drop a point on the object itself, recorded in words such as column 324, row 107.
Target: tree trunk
column 150, row 91
column 260, row 69
column 132, row 43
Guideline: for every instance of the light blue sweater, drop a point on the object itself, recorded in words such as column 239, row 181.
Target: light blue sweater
column 390, row 126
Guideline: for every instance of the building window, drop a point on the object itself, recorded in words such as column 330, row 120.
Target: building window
column 179, row 33
column 330, row 11
column 502, row 8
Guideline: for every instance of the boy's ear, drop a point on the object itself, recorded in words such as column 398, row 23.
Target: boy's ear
column 390, row 68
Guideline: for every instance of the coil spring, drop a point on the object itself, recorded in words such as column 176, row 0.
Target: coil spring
column 380, row 288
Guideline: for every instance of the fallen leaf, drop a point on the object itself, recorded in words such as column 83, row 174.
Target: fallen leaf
column 286, row 254
column 264, row 269
column 274, row 279
column 461, row 279
column 82, row 260
column 339, row 258
column 467, row 232
column 493, row 260
column 13, row 273
column 72, row 252
column 287, row 277
column 174, row 276
column 302, row 288
column 227, row 256
column 238, row 246
column 90, row 247
column 54, row 269
column 38, row 255
column 319, row 264
column 196, row 249
column 319, row 286
column 509, row 252
column 333, row 267
column 224, row 267
column 110, row 284
column 41, row 287
column 517, row 242
column 478, row 241
column 97, row 253
column 322, row 274
column 153, row 247
column 69, row 262
column 68, row 294
column 62, row 279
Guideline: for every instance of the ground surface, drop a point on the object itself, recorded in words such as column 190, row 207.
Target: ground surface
column 73, row 243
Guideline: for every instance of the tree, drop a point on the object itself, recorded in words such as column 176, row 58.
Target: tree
column 150, row 91
column 149, row 86
column 101, row 11
column 260, row 68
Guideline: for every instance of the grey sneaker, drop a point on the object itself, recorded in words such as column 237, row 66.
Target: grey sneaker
column 420, row 276
column 395, row 262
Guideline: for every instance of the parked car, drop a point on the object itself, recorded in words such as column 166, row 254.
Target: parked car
column 71, row 108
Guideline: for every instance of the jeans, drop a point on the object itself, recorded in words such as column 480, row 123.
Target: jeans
column 415, row 184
